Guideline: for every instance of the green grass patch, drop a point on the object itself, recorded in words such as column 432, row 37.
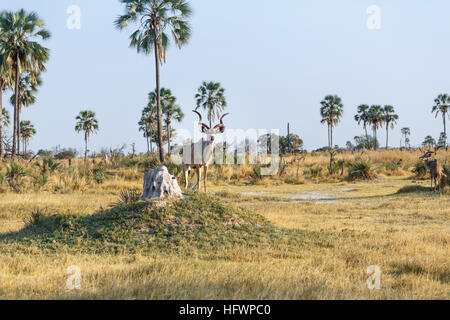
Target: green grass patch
column 201, row 222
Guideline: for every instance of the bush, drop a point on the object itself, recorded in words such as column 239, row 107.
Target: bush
column 98, row 173
column 130, row 162
column 360, row 170
column 66, row 154
column 45, row 153
column 174, row 169
column 149, row 163
column 337, row 168
column 445, row 179
column 47, row 166
column 315, row 172
column 392, row 165
column 128, row 197
column 420, row 169
column 14, row 174
column 40, row 180
column 256, row 174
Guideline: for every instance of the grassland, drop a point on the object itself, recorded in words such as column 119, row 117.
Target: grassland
column 316, row 235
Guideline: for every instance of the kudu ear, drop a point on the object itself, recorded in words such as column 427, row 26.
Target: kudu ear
column 203, row 127
column 221, row 127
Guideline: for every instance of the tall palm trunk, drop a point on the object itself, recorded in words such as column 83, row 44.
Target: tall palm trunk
column 331, row 136
column 367, row 135
column 445, row 123
column 85, row 146
column 329, row 145
column 1, row 123
column 16, row 107
column 210, row 115
column 158, row 96
column 151, row 137
column 445, row 128
column 168, row 138
column 387, row 136
column 148, row 145
column 375, row 138
column 19, row 110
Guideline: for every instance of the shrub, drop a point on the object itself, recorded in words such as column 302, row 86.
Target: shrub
column 360, row 169
column 130, row 162
column 98, row 173
column 36, row 218
column 47, row 166
column 45, row 153
column 128, row 197
column 392, row 165
column 445, row 179
column 41, row 180
column 174, row 169
column 337, row 168
column 256, row 174
column 149, row 163
column 315, row 172
column 14, row 174
column 71, row 182
column 79, row 183
column 66, row 154
column 420, row 169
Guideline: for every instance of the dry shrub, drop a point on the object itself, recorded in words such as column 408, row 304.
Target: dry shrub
column 360, row 169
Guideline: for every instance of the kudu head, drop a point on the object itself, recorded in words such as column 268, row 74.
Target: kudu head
column 211, row 132
column 428, row 154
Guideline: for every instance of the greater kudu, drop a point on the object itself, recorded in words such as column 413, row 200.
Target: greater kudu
column 201, row 154
column 433, row 166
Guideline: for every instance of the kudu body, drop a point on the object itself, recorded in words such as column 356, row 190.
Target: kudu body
column 434, row 167
column 200, row 155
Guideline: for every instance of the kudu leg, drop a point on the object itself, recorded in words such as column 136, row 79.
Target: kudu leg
column 199, row 176
column 186, row 177
column 205, row 177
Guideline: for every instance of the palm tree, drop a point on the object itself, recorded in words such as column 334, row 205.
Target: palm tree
column 331, row 111
column 390, row 119
column 442, row 108
column 363, row 117
column 21, row 50
column 211, row 97
column 165, row 99
column 27, row 131
column 28, row 84
column 376, row 120
column 442, row 142
column 86, row 122
column 156, row 20
column 172, row 111
column 429, row 142
column 406, row 132
column 147, row 123
column 5, row 83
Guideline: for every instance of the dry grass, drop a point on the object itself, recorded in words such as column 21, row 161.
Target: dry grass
column 407, row 234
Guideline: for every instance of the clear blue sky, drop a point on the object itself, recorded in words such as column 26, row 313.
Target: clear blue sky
column 276, row 59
